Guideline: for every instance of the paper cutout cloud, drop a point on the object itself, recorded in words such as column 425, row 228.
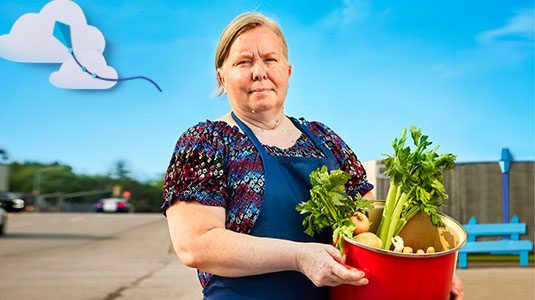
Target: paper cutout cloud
column 71, row 76
column 59, row 33
column 30, row 38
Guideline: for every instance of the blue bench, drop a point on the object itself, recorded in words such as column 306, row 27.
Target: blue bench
column 504, row 246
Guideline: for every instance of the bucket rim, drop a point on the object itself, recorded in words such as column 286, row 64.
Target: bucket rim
column 462, row 242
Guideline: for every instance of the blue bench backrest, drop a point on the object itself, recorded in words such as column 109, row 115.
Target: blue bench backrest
column 503, row 246
column 514, row 229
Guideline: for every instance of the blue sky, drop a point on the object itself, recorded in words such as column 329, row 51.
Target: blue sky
column 463, row 71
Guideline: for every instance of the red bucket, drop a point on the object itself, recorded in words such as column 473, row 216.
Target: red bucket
column 402, row 276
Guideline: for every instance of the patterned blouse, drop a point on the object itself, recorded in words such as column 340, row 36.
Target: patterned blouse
column 215, row 164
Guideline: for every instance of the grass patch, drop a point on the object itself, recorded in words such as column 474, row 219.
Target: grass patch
column 497, row 258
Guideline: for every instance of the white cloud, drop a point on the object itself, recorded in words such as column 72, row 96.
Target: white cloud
column 71, row 76
column 507, row 46
column 518, row 27
column 31, row 38
column 351, row 11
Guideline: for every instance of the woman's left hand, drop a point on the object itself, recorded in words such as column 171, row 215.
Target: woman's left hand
column 457, row 289
column 319, row 263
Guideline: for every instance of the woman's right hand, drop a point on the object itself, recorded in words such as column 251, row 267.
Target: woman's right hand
column 319, row 263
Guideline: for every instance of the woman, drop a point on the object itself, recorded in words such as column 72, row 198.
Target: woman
column 233, row 184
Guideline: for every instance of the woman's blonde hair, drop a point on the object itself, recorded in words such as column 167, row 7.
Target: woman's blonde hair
column 240, row 24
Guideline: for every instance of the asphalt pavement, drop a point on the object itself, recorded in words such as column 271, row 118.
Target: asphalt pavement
column 91, row 256
column 127, row 256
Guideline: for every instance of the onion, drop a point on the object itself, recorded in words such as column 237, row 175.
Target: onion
column 362, row 224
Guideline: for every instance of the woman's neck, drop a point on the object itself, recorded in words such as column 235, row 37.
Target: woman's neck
column 263, row 121
column 273, row 129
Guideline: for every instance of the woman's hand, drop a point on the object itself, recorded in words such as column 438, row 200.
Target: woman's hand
column 457, row 289
column 319, row 263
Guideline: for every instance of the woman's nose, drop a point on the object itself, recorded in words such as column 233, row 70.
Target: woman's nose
column 259, row 72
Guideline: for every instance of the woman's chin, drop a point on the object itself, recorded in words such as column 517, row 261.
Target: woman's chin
column 266, row 108
column 260, row 103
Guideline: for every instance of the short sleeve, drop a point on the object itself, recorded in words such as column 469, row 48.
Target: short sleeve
column 196, row 170
column 358, row 183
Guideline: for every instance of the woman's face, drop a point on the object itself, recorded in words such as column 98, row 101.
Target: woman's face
column 255, row 74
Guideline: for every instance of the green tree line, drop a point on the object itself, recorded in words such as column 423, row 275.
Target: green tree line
column 55, row 177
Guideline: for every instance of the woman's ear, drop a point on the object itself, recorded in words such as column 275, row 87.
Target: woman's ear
column 221, row 79
column 289, row 69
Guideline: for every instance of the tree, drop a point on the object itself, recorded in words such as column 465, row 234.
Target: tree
column 3, row 154
column 120, row 170
column 60, row 178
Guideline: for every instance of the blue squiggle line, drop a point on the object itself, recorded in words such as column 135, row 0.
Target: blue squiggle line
column 111, row 79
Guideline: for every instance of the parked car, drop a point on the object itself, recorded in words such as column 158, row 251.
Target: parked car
column 10, row 202
column 3, row 220
column 112, row 205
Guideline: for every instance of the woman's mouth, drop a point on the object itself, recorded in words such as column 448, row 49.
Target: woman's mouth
column 259, row 91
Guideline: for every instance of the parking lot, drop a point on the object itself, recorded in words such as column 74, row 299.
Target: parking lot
column 127, row 256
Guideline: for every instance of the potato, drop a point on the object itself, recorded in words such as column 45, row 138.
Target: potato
column 407, row 250
column 369, row 239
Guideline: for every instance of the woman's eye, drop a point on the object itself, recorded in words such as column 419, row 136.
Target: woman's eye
column 271, row 60
column 243, row 62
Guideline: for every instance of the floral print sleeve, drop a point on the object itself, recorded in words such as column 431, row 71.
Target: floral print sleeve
column 196, row 171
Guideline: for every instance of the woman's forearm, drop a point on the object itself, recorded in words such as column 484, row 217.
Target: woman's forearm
column 201, row 241
column 227, row 253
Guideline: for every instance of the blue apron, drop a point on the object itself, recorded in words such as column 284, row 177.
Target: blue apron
column 287, row 184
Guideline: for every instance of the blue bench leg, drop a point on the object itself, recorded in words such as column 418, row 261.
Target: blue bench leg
column 462, row 260
column 523, row 258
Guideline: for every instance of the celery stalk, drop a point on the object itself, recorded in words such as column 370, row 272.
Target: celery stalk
column 390, row 204
column 394, row 219
column 415, row 184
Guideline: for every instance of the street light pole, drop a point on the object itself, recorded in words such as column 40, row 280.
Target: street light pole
column 4, row 170
column 37, row 182
column 505, row 162
column 37, row 188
